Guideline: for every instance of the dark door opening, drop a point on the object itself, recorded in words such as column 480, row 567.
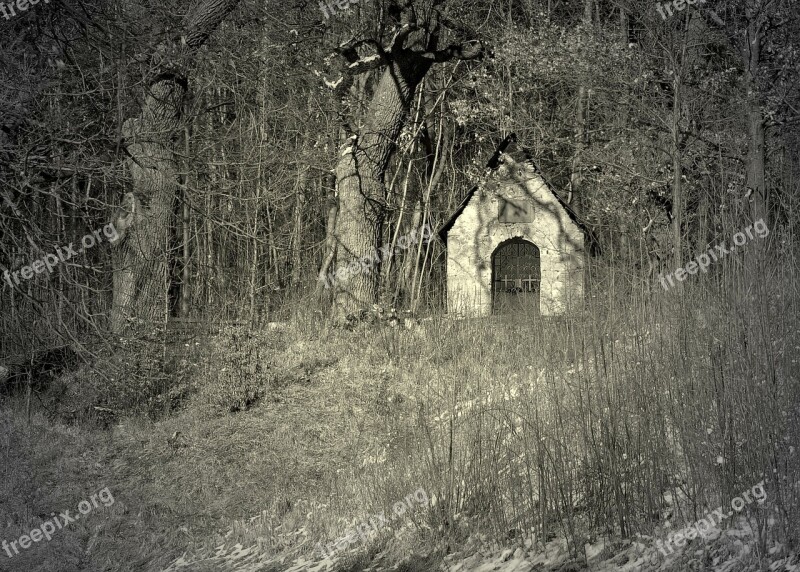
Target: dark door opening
column 516, row 278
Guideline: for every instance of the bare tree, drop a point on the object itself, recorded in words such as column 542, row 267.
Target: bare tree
column 364, row 158
column 140, row 268
column 751, row 25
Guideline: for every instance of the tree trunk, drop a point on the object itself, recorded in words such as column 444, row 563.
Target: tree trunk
column 360, row 175
column 364, row 158
column 140, row 272
column 757, row 17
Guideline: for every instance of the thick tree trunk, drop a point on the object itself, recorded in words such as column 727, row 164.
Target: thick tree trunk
column 124, row 284
column 140, row 272
column 360, row 174
column 140, row 275
column 364, row 159
column 356, row 232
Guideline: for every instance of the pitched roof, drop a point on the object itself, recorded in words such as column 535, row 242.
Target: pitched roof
column 445, row 228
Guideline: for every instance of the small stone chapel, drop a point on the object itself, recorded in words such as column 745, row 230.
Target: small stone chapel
column 514, row 246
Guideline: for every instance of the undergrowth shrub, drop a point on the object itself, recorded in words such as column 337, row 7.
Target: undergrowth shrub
column 145, row 374
column 238, row 368
column 647, row 412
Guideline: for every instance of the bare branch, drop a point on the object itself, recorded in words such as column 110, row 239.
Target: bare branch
column 467, row 51
column 203, row 18
column 400, row 37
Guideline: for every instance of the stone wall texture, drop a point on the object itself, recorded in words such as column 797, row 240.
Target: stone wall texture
column 477, row 233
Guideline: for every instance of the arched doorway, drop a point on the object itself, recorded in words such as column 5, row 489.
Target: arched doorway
column 516, row 277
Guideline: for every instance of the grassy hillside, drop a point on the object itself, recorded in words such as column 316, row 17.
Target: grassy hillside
column 583, row 438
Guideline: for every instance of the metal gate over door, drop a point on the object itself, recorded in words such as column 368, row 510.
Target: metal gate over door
column 516, row 278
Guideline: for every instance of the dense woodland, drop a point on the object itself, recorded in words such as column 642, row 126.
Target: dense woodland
column 230, row 155
column 217, row 132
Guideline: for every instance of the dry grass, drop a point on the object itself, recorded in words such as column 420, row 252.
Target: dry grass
column 553, row 428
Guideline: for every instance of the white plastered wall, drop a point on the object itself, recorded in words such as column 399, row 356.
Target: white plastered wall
column 477, row 233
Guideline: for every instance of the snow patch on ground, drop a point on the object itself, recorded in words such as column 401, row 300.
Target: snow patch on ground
column 735, row 550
